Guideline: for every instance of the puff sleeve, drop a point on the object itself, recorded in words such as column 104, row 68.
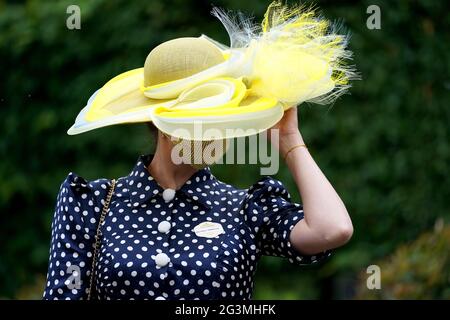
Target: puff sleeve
column 77, row 210
column 271, row 213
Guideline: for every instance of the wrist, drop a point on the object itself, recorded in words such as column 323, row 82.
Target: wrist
column 287, row 141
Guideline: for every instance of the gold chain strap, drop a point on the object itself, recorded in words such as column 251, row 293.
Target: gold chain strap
column 98, row 235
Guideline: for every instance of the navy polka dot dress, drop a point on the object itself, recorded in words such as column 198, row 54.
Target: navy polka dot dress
column 202, row 241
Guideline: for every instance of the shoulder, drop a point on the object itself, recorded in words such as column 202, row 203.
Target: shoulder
column 265, row 190
column 268, row 198
column 78, row 185
column 267, row 187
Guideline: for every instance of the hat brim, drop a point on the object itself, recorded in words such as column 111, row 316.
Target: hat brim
column 120, row 100
column 252, row 115
column 123, row 99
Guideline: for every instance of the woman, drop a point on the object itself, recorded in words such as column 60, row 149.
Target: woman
column 173, row 231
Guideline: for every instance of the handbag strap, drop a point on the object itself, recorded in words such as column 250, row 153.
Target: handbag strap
column 99, row 234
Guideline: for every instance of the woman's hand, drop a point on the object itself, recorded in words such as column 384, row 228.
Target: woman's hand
column 289, row 133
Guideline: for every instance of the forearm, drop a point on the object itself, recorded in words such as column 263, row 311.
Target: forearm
column 326, row 223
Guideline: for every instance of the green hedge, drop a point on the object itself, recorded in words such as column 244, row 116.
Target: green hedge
column 418, row 270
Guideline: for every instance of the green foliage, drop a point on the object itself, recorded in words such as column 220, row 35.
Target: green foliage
column 384, row 147
column 419, row 270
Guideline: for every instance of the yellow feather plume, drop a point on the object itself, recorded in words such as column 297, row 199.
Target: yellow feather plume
column 294, row 55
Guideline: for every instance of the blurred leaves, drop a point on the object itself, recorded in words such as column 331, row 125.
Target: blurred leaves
column 419, row 270
column 385, row 147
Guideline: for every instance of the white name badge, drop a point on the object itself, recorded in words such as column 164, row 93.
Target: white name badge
column 208, row 229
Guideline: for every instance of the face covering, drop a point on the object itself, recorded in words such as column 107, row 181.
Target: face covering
column 199, row 154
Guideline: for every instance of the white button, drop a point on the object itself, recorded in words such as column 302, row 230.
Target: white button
column 168, row 194
column 162, row 259
column 164, row 226
column 160, row 298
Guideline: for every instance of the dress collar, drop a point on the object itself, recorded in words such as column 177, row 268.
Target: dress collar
column 200, row 187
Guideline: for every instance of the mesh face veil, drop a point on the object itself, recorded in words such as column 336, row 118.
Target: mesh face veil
column 198, row 154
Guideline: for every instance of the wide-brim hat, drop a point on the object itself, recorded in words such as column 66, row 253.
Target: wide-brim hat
column 199, row 89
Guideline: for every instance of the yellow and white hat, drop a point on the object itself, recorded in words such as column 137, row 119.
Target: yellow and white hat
column 293, row 57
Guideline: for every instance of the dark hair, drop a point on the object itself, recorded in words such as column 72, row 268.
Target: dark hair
column 153, row 130
column 153, row 136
